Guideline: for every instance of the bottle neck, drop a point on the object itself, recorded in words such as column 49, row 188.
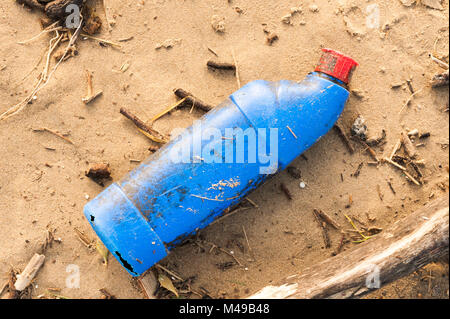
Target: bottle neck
column 330, row 78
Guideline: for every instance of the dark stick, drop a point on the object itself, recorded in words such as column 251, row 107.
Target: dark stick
column 344, row 138
column 341, row 244
column 327, row 219
column 286, row 191
column 221, row 65
column 391, row 187
column 140, row 124
column 192, row 100
column 323, row 226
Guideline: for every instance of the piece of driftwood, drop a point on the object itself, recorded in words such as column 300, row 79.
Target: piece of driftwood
column 30, row 271
column 409, row 244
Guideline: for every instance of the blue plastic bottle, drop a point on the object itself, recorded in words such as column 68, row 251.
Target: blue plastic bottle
column 193, row 179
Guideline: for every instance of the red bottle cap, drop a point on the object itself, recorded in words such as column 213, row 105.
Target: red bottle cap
column 337, row 65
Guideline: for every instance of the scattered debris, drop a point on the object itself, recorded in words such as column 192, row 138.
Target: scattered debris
column 124, row 68
column 371, row 231
column 377, row 141
column 433, row 4
column 102, row 42
column 441, row 79
column 103, row 251
column 441, row 63
column 30, row 271
column 46, row 74
column 344, row 138
column 413, row 132
column 350, row 201
column 49, row 238
column 166, row 283
column 359, row 128
column 369, row 150
column 61, row 54
column 360, row 232
column 287, row 19
column 168, row 44
column 218, row 23
column 408, row 146
column 323, row 226
column 380, row 194
column 99, row 173
column 327, row 219
column 396, row 85
column 391, row 187
column 152, row 134
column 93, row 23
column 55, row 10
column 294, row 172
column 51, row 292
column 192, row 100
column 358, row 170
column 45, row 129
column 408, row 3
column 314, row 8
column 286, row 191
column 424, row 135
column 410, row 98
column 83, row 238
column 341, row 245
column 168, row 110
column 395, row 149
column 9, row 285
column 106, row 294
column 410, row 87
column 271, row 36
column 90, row 96
column 109, row 21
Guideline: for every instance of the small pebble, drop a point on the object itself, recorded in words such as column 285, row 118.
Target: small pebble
column 302, row 185
column 287, row 19
column 86, row 196
column 413, row 132
column 218, row 23
column 314, row 8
